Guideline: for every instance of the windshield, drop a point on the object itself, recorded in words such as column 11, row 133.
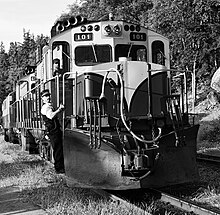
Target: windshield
column 92, row 54
column 135, row 52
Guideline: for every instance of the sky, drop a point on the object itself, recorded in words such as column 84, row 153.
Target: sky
column 35, row 16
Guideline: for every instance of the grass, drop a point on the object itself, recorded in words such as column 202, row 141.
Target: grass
column 40, row 185
column 208, row 141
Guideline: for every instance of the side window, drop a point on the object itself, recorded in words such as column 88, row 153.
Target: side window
column 158, row 56
column 61, row 58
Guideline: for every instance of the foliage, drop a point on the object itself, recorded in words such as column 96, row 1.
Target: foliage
column 18, row 57
column 3, row 73
column 192, row 27
column 130, row 10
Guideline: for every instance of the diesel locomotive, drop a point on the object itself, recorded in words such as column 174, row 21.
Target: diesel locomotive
column 124, row 127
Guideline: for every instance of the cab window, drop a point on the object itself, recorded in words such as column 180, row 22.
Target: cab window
column 61, row 57
column 158, row 56
column 135, row 52
column 92, row 54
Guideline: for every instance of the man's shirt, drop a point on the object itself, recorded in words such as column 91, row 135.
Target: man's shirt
column 47, row 110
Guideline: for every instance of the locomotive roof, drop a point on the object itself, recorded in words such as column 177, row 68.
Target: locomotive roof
column 75, row 21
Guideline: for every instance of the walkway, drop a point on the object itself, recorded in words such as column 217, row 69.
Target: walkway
column 11, row 203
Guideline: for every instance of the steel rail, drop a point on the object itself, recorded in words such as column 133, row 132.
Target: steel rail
column 186, row 205
column 208, row 158
column 127, row 204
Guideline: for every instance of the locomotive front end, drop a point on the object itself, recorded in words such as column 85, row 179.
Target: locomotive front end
column 130, row 131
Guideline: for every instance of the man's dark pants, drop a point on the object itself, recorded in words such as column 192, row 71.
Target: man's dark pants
column 57, row 144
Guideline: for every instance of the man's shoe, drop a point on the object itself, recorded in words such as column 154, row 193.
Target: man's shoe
column 60, row 171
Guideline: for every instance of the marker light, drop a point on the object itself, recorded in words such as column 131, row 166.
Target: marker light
column 60, row 27
column 81, row 19
column 96, row 28
column 117, row 29
column 131, row 28
column 73, row 21
column 138, row 28
column 90, row 28
column 83, row 28
column 66, row 23
column 107, row 30
column 126, row 27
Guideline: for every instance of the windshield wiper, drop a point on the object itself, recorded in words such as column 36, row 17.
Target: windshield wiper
column 129, row 51
column 93, row 48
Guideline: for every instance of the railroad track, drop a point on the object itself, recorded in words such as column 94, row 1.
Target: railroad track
column 185, row 205
column 112, row 195
column 208, row 158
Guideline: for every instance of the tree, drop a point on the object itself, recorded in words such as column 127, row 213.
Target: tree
column 18, row 57
column 3, row 73
column 130, row 10
column 193, row 29
column 27, row 51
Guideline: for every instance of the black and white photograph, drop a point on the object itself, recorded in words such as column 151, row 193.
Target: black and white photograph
column 110, row 107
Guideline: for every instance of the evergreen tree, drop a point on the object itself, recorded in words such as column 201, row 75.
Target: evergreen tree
column 4, row 65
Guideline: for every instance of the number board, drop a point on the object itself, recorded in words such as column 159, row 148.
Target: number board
column 138, row 36
column 83, row 37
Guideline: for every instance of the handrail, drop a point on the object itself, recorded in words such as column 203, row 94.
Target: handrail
column 63, row 88
column 121, row 109
column 171, row 70
column 28, row 96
